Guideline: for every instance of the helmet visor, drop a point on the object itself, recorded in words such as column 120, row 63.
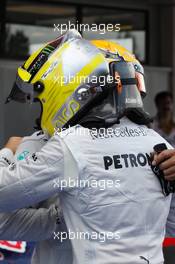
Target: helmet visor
column 129, row 86
column 21, row 92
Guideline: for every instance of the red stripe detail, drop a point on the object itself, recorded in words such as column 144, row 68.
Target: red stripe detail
column 169, row 241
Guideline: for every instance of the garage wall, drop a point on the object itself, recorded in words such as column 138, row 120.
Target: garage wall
column 15, row 119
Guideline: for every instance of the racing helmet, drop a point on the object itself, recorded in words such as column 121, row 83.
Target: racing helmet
column 77, row 81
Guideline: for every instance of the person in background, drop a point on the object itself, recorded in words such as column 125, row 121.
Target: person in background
column 164, row 123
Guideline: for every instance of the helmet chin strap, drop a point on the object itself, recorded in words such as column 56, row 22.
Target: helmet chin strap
column 98, row 122
column 139, row 116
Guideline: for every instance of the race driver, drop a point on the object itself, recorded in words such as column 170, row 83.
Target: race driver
column 105, row 140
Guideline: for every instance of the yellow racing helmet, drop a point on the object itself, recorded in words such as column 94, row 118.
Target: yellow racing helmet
column 80, row 81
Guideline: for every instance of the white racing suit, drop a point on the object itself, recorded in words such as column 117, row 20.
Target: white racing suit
column 37, row 223
column 112, row 202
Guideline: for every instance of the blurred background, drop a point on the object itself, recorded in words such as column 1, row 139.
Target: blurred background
column 147, row 30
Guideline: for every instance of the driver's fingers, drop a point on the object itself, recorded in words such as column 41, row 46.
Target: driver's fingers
column 167, row 164
column 165, row 154
column 170, row 177
column 169, row 171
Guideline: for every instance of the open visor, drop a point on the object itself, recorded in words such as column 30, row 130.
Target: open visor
column 128, row 87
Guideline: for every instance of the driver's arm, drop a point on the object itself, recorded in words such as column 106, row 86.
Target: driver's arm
column 30, row 181
column 27, row 224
